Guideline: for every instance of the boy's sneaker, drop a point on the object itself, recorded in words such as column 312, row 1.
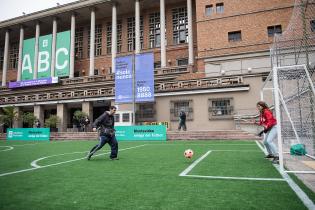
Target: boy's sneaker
column 114, row 158
column 88, row 157
column 269, row 156
column 275, row 160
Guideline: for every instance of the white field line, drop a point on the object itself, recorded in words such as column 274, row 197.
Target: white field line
column 10, row 148
column 299, row 192
column 173, row 144
column 187, row 170
column 236, row 178
column 54, row 164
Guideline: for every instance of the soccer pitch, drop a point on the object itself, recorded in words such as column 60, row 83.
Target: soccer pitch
column 149, row 175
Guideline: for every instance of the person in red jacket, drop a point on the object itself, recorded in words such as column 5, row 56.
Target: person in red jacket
column 267, row 120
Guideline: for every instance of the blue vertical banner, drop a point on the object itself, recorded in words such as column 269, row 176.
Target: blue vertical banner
column 144, row 83
column 123, row 80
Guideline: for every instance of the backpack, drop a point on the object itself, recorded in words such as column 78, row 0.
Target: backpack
column 298, row 149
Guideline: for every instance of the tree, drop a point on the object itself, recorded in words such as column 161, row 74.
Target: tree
column 8, row 116
column 79, row 116
column 28, row 119
column 52, row 121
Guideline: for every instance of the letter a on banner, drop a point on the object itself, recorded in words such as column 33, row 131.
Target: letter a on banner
column 28, row 59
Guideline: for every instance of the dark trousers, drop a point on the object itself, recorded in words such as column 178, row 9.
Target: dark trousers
column 182, row 124
column 111, row 141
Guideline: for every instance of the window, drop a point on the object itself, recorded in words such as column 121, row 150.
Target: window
column 117, row 117
column 177, row 106
column 219, row 8
column 235, row 36
column 180, row 25
column 14, row 56
column 209, row 10
column 131, row 29
column 182, row 62
column 79, row 43
column 126, row 117
column 1, row 58
column 96, row 72
column 220, row 108
column 109, row 37
column 312, row 25
column 157, row 64
column 272, row 30
column 145, row 112
column 98, row 40
column 155, row 30
column 76, row 74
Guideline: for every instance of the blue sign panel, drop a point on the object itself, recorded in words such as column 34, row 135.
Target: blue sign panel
column 123, row 80
column 144, row 84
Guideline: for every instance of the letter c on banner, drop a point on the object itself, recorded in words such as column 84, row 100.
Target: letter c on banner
column 65, row 63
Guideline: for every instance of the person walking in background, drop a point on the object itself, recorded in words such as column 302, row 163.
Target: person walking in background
column 37, row 124
column 267, row 120
column 105, row 124
column 182, row 120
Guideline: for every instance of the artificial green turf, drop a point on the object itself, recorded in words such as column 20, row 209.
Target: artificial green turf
column 144, row 178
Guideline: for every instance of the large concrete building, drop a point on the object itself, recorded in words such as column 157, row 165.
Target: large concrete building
column 210, row 57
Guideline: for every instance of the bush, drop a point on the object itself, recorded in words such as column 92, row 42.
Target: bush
column 29, row 119
column 52, row 121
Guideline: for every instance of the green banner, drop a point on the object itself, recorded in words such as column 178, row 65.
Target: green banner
column 62, row 65
column 44, row 56
column 144, row 132
column 28, row 134
column 28, row 59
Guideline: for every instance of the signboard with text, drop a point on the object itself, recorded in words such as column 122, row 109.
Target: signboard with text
column 123, row 80
column 28, row 134
column 141, row 132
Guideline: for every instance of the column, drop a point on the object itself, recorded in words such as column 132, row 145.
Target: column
column 92, row 42
column 17, row 121
column 62, row 113
column 5, row 59
column 114, row 36
column 137, row 19
column 39, row 114
column 190, row 34
column 36, row 50
column 53, row 47
column 72, row 46
column 162, row 23
column 20, row 54
column 87, row 107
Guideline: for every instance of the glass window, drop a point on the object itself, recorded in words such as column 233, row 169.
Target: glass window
column 209, row 10
column 180, row 25
column 219, row 8
column 181, row 105
column 312, row 25
column 155, row 30
column 1, row 58
column 272, row 30
column 98, row 40
column 182, row 62
column 126, row 117
column 79, row 42
column 220, row 107
column 235, row 36
column 131, row 28
column 117, row 117
column 14, row 56
column 109, row 36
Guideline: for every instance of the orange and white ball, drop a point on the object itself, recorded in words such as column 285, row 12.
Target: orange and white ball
column 188, row 153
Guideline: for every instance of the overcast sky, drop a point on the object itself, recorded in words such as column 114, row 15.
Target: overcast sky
column 14, row 8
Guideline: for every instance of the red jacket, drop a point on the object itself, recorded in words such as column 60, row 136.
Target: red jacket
column 266, row 119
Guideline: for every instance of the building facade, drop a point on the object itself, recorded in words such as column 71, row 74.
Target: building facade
column 210, row 58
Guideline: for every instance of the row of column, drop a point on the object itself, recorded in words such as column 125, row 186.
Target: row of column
column 92, row 41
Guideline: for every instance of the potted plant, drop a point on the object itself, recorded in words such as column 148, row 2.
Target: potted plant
column 52, row 123
column 78, row 118
column 28, row 119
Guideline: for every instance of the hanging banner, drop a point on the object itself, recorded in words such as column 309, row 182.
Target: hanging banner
column 44, row 56
column 28, row 59
column 144, row 84
column 123, row 80
column 62, row 65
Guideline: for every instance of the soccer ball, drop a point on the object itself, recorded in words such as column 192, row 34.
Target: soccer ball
column 188, row 153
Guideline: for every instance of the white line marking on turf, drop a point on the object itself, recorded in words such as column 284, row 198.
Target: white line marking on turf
column 299, row 192
column 236, row 178
column 39, row 167
column 187, row 170
column 10, row 148
column 262, row 148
